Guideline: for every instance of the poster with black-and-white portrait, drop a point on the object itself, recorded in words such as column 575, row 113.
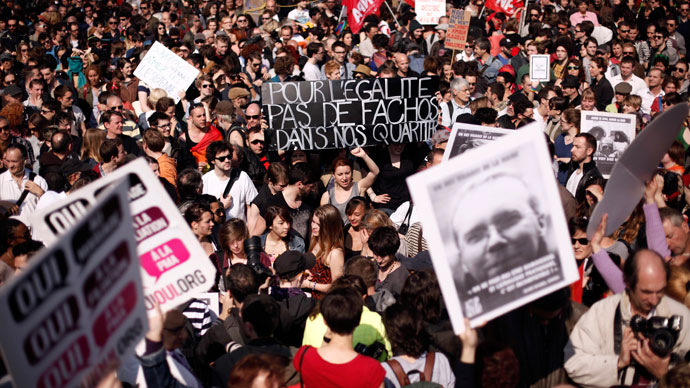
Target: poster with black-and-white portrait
column 465, row 137
column 496, row 228
column 614, row 133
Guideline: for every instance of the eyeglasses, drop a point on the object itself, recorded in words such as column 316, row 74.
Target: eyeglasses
column 684, row 9
column 658, row 37
column 253, row 117
column 5, row 128
column 118, row 107
column 573, row 68
column 45, row 111
column 223, row 158
column 576, row 30
column 339, row 52
column 670, row 24
column 562, row 28
column 628, row 53
column 220, row 212
column 112, row 23
column 469, row 46
column 624, row 31
column 168, row 125
column 680, row 69
column 256, row 64
column 471, row 83
column 582, row 241
column 206, row 86
column 242, row 21
column 257, row 141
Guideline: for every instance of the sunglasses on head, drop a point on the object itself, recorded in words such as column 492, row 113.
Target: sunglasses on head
column 582, row 241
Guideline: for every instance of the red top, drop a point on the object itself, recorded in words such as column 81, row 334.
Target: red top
column 361, row 372
column 321, row 274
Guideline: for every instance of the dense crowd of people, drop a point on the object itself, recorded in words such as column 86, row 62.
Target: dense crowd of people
column 324, row 272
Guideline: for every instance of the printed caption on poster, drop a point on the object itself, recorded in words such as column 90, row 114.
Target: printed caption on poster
column 493, row 252
column 319, row 115
column 173, row 267
column 465, row 137
column 78, row 306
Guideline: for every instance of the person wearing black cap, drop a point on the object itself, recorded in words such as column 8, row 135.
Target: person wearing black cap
column 290, row 268
column 570, row 85
column 507, row 45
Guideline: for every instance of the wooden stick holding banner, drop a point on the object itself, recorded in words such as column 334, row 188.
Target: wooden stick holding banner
column 392, row 13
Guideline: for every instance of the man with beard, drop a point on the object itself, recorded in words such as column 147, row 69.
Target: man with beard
column 581, row 167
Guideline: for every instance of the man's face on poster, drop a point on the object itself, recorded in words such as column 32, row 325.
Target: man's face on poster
column 496, row 231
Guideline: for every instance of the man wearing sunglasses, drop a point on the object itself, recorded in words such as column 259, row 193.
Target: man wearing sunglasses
column 222, row 175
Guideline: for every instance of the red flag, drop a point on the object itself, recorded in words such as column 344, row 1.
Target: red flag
column 357, row 10
column 507, row 7
column 410, row 3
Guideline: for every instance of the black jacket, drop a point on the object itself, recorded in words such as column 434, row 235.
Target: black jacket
column 603, row 93
column 590, row 171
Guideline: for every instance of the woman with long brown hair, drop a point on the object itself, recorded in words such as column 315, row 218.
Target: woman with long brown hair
column 328, row 246
column 92, row 140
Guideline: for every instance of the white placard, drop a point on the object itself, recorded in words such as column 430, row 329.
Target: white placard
column 540, row 68
column 465, row 137
column 174, row 266
column 614, row 133
column 162, row 68
column 496, row 229
column 78, row 306
column 429, row 11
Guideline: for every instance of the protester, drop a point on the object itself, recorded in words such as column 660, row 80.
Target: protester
column 249, row 188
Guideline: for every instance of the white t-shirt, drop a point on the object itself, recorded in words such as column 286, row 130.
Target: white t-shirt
column 299, row 15
column 312, row 72
column 242, row 192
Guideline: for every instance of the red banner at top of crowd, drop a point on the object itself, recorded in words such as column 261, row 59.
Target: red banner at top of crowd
column 357, row 10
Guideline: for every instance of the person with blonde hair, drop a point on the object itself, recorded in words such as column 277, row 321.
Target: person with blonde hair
column 91, row 143
column 678, row 286
column 373, row 219
column 327, row 244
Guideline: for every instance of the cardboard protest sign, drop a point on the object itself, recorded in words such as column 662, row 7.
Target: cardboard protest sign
column 429, row 11
column 174, row 267
column 162, row 68
column 459, row 27
column 614, row 133
column 540, row 68
column 465, row 137
column 349, row 113
column 495, row 226
column 78, row 305
column 635, row 167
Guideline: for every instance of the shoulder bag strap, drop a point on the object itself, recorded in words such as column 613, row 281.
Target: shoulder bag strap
column 399, row 372
column 406, row 220
column 234, row 175
column 429, row 366
column 301, row 383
